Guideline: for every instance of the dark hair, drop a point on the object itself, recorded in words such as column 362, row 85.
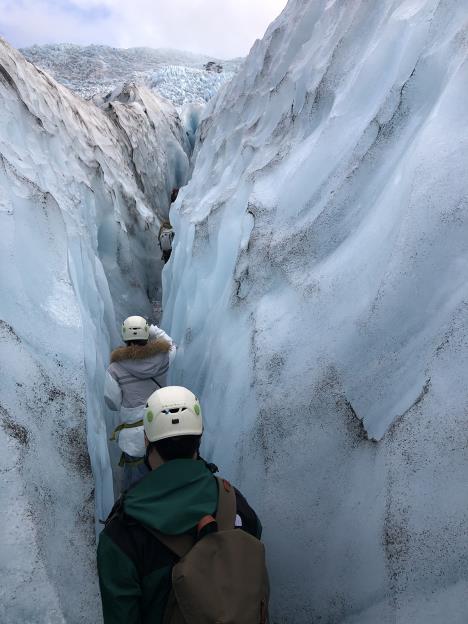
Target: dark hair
column 178, row 447
column 141, row 343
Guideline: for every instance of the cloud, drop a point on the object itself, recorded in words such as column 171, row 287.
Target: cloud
column 223, row 28
column 25, row 22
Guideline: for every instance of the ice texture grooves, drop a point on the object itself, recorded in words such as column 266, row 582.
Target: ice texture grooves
column 319, row 297
column 82, row 193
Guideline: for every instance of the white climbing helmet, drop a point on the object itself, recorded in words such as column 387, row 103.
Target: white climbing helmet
column 172, row 411
column 135, row 328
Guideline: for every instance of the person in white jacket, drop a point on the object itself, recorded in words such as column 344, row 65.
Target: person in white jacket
column 135, row 372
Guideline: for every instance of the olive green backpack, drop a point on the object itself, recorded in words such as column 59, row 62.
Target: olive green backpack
column 222, row 577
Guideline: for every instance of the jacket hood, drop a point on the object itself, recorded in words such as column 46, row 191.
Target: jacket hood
column 174, row 497
column 140, row 352
column 144, row 362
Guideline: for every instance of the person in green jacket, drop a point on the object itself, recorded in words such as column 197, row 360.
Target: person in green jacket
column 134, row 566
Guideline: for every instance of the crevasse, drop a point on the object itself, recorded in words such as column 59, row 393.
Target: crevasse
column 317, row 292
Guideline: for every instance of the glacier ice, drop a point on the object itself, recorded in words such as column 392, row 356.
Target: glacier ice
column 317, row 292
column 82, row 193
column 182, row 85
column 318, row 295
column 94, row 70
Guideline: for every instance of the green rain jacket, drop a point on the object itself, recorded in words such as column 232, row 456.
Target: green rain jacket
column 134, row 567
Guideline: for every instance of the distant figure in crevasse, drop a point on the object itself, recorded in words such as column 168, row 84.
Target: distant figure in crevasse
column 136, row 370
column 174, row 194
column 181, row 545
column 166, row 233
column 165, row 238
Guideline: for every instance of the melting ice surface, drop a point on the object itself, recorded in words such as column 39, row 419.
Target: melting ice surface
column 318, row 292
column 82, row 193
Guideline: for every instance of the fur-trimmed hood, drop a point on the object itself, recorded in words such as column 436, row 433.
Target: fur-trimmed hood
column 136, row 352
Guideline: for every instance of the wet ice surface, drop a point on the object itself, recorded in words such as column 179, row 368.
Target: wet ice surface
column 318, row 295
column 82, row 193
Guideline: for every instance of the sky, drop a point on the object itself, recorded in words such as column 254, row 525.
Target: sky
column 222, row 28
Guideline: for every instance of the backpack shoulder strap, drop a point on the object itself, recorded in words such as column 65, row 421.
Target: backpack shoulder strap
column 227, row 506
column 115, row 512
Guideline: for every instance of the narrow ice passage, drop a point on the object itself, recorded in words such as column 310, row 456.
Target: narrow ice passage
column 317, row 293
